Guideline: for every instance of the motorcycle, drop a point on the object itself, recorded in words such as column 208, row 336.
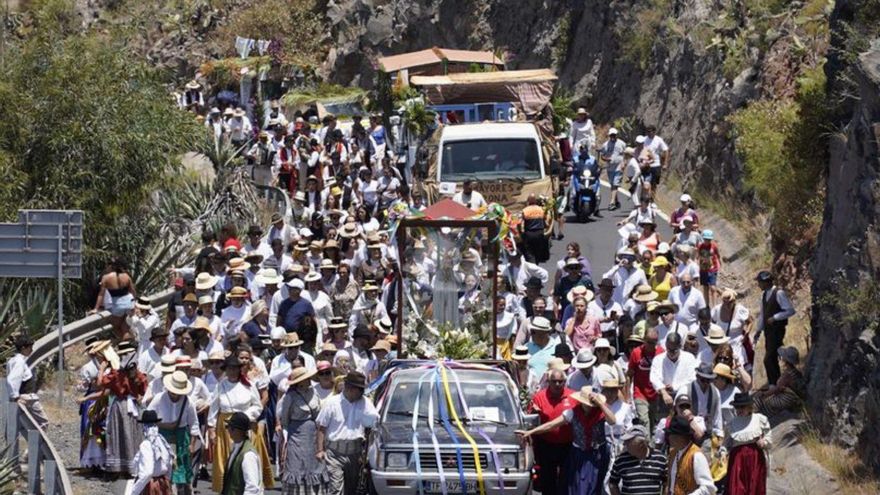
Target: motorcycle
column 586, row 195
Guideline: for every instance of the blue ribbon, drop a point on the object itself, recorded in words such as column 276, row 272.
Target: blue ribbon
column 415, row 435
column 434, row 441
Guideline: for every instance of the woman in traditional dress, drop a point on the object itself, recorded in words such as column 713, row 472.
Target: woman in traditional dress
column 233, row 394
column 254, row 371
column 586, row 465
column 790, row 389
column 126, row 386
column 303, row 473
column 153, row 460
column 747, row 439
column 93, row 408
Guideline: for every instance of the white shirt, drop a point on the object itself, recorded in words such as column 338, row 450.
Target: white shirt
column 678, row 374
column 625, row 281
column 577, row 380
column 343, row 420
column 676, row 326
column 474, row 200
column 744, row 430
column 281, row 366
column 262, row 248
column 521, row 274
column 323, row 307
column 168, row 412
column 232, row 319
column 701, row 402
column 702, row 475
column 657, row 146
column 148, row 467
column 602, row 310
column 148, row 362
column 582, row 133
column 250, row 470
column 623, row 413
column 688, row 304
column 784, row 303
column 234, row 397
column 142, row 326
column 17, row 372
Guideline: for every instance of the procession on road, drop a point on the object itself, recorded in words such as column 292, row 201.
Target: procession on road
column 404, row 326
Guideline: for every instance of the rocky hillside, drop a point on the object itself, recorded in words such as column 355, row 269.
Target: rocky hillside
column 843, row 369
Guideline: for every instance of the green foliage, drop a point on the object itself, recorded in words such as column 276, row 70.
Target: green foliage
column 417, row 117
column 854, row 304
column 226, row 72
column 638, row 36
column 561, row 42
column 563, row 108
column 784, row 147
column 297, row 24
column 322, row 92
column 25, row 308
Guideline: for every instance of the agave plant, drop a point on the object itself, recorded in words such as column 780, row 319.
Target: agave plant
column 8, row 474
column 27, row 307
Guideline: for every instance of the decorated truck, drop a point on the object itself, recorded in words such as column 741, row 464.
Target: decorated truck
column 495, row 129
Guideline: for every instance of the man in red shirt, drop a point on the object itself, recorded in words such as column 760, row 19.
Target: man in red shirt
column 551, row 449
column 639, row 372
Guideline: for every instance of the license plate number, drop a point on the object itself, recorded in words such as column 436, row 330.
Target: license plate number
column 452, row 487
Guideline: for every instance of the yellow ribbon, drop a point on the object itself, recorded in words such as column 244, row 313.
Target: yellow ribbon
column 463, row 431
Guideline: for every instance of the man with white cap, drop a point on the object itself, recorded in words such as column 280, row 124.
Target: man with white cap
column 583, row 375
column 611, row 154
column 295, row 308
column 660, row 150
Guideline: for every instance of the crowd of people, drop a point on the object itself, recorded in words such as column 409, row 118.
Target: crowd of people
column 256, row 375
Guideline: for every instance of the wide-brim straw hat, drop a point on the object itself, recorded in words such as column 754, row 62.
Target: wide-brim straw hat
column 300, row 375
column 579, row 291
column 724, row 370
column 583, row 396
column 645, row 294
column 205, row 281
column 177, row 383
column 716, row 335
column 521, row 353
column 143, row 304
column 291, row 340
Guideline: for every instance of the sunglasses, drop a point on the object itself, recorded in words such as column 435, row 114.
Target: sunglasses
column 324, row 373
column 557, row 381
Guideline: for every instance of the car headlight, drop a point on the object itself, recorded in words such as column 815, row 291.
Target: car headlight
column 396, row 460
column 508, row 460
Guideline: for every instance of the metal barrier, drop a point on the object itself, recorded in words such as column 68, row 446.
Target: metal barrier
column 42, row 455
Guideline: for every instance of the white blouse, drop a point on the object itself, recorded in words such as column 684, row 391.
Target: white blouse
column 743, row 430
column 735, row 326
column 234, row 397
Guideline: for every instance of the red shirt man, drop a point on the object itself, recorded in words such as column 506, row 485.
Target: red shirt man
column 548, row 408
column 640, row 367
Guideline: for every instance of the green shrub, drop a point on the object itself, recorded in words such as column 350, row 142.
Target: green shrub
column 638, row 37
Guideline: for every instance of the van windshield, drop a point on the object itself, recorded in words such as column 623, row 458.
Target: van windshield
column 486, row 401
column 490, row 159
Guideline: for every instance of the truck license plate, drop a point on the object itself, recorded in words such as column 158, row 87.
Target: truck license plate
column 452, row 487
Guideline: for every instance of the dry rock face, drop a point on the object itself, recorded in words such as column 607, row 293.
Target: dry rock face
column 843, row 369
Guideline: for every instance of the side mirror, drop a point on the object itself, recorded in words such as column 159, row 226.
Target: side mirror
column 531, row 420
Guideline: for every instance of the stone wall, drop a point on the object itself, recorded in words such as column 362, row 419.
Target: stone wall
column 843, row 371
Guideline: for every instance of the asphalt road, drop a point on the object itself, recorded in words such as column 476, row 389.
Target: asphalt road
column 598, row 239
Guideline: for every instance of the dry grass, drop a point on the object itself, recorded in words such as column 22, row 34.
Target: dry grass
column 853, row 476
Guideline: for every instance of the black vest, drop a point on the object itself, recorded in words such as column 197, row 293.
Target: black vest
column 771, row 307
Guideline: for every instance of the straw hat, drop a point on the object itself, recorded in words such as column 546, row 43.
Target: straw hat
column 584, row 359
column 167, row 364
column 238, row 293
column 206, row 299
column 190, row 299
column 269, row 276
column 583, row 396
column 205, row 281
column 97, row 347
column 611, row 382
column 381, row 345
column 300, row 375
column 728, row 295
column 384, row 325
column 724, row 370
column 238, row 264
column 313, row 277
column 644, row 294
column 556, row 363
column 521, row 353
column 579, row 291
column 327, row 264
column 143, row 304
column 193, row 85
column 177, row 383
column 201, row 323
column 716, row 335
column 291, row 340
column 540, row 324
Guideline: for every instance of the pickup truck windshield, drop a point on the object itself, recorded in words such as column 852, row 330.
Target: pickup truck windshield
column 487, row 159
column 487, row 401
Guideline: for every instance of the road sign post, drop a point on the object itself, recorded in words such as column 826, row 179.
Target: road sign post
column 44, row 244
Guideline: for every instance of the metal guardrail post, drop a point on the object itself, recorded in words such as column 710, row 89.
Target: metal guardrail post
column 51, row 476
column 34, row 458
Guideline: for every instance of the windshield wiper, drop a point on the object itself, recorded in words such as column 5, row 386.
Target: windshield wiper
column 408, row 414
column 483, row 420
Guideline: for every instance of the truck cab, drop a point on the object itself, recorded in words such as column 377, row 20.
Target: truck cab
column 418, row 447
